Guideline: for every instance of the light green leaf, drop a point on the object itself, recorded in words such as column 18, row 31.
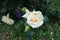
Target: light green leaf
column 27, row 28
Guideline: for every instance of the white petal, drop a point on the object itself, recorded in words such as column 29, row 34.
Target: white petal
column 41, row 15
column 11, row 21
column 35, row 25
column 8, row 15
column 26, row 15
column 5, row 19
column 27, row 10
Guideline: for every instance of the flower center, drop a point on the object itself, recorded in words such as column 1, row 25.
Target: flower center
column 34, row 18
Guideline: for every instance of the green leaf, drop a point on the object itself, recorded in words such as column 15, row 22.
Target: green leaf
column 27, row 28
column 18, row 25
column 23, row 9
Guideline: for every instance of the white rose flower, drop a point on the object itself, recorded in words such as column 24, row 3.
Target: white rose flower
column 7, row 20
column 34, row 19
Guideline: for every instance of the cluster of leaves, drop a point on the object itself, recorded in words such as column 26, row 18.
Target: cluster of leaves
column 50, row 10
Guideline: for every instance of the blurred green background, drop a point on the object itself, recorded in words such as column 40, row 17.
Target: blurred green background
column 50, row 10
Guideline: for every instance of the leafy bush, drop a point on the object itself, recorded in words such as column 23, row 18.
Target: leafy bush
column 49, row 8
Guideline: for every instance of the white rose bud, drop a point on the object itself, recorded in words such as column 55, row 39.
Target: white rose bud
column 7, row 20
